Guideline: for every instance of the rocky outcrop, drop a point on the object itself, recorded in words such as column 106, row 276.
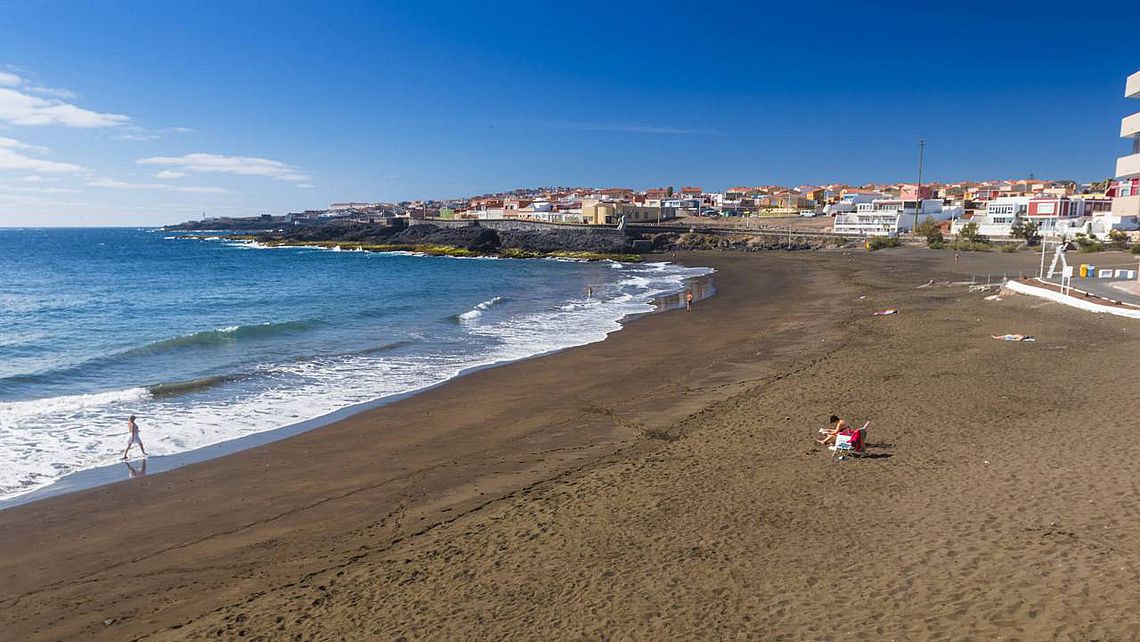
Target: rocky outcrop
column 600, row 241
column 740, row 243
column 472, row 238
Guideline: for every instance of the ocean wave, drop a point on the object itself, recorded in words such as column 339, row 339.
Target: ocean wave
column 641, row 282
column 176, row 388
column 477, row 311
column 222, row 336
column 387, row 347
column 12, row 412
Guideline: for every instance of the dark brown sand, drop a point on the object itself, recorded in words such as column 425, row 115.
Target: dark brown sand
column 662, row 484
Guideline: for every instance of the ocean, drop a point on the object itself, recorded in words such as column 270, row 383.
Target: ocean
column 208, row 340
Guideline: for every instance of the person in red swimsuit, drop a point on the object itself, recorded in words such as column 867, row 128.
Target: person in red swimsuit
column 840, row 427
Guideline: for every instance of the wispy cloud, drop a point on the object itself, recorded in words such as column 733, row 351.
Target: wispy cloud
column 138, row 136
column 240, row 165
column 168, row 174
column 13, row 158
column 111, row 183
column 24, row 103
column 629, row 128
column 38, row 190
column 137, row 133
column 12, row 143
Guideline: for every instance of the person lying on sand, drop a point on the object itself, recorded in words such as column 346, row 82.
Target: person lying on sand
column 840, row 425
column 1012, row 337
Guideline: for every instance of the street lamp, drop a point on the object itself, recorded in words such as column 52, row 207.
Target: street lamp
column 918, row 191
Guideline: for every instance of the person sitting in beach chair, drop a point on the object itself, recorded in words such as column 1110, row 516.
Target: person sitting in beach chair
column 830, row 434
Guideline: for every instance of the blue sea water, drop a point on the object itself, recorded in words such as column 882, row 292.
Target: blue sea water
column 209, row 340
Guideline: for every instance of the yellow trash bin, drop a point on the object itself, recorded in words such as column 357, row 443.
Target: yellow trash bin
column 1084, row 270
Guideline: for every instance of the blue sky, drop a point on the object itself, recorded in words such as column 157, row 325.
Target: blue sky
column 137, row 113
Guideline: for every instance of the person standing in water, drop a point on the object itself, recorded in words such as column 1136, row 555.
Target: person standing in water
column 589, row 292
column 689, row 300
column 135, row 439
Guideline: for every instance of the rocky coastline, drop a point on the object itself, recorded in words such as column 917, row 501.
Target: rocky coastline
column 469, row 240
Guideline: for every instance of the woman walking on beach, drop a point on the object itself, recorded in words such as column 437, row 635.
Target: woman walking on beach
column 689, row 300
column 135, row 439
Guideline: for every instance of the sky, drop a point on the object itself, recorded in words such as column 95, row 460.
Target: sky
column 147, row 113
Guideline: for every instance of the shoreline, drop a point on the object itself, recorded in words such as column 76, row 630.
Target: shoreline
column 660, row 484
column 159, row 464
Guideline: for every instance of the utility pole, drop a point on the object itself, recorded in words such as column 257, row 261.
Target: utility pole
column 918, row 192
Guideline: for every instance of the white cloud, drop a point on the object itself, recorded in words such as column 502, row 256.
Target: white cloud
column 137, row 136
column 241, row 165
column 167, row 174
column 19, row 105
column 38, row 190
column 630, row 128
column 305, row 185
column 11, row 159
column 12, row 143
column 137, row 133
column 117, row 184
column 36, row 178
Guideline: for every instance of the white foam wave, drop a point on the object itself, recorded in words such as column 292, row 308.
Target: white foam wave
column 478, row 310
column 13, row 413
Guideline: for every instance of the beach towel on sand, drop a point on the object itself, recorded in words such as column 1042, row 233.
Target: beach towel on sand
column 883, row 313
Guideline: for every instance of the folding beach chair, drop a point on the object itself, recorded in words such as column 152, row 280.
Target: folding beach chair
column 847, row 445
column 842, row 448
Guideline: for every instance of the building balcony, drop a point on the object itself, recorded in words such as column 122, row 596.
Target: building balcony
column 1130, row 126
column 1128, row 167
column 1132, row 87
column 1126, row 206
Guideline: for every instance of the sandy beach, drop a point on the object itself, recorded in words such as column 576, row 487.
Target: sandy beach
column 662, row 484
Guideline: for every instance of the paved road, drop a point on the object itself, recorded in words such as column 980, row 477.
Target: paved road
column 1115, row 289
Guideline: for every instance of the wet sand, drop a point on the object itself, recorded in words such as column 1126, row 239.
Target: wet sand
column 661, row 484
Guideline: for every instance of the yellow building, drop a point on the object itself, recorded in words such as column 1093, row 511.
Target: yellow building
column 599, row 213
column 645, row 213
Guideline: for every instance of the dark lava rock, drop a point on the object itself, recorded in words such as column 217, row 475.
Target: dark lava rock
column 476, row 239
column 602, row 241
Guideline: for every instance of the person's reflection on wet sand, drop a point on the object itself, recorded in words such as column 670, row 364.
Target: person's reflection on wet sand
column 136, row 472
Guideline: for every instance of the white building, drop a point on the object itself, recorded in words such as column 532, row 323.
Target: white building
column 692, row 204
column 998, row 218
column 1125, row 212
column 350, row 206
column 890, row 216
column 847, row 203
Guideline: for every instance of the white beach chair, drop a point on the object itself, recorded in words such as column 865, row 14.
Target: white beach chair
column 844, row 447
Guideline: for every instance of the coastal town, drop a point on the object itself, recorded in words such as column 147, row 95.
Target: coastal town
column 998, row 209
